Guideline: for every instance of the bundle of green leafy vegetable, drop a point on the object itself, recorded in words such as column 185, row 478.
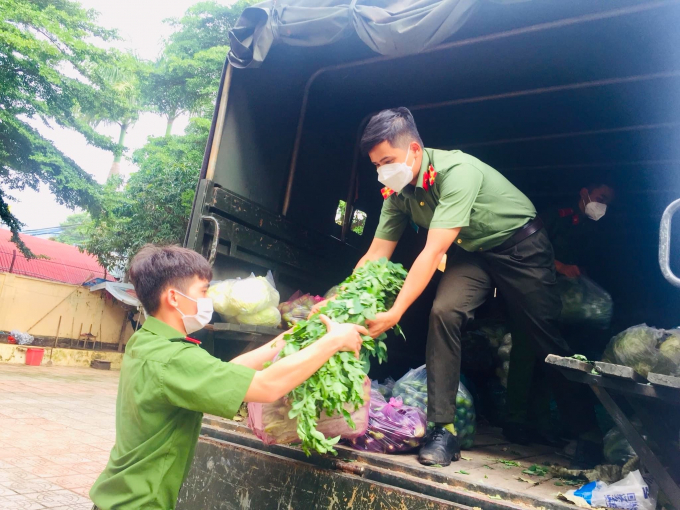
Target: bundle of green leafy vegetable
column 371, row 289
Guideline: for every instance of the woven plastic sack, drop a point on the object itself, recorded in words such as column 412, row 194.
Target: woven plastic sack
column 636, row 347
column 412, row 388
column 584, row 302
column 392, row 426
column 270, row 422
column 244, row 297
column 298, row 307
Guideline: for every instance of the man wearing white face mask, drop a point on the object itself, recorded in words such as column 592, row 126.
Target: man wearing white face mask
column 167, row 381
column 572, row 229
column 498, row 242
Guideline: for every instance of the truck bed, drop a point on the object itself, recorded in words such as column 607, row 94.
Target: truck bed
column 234, row 469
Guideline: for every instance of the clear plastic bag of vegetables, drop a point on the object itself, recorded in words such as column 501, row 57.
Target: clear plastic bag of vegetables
column 412, row 388
column 636, row 347
column 584, row 301
column 298, row 307
column 392, row 426
column 668, row 361
column 616, row 448
column 244, row 298
column 270, row 422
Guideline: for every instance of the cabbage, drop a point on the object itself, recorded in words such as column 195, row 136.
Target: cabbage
column 635, row 347
column 251, row 295
column 669, row 355
column 244, row 297
column 220, row 293
column 270, row 316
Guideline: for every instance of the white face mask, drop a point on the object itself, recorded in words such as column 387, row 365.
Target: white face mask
column 204, row 312
column 595, row 210
column 396, row 175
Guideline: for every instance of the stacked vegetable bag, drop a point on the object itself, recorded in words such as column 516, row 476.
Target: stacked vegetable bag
column 646, row 349
column 253, row 300
column 298, row 307
column 412, row 388
column 338, row 388
column 584, row 302
column 392, row 426
column 271, row 422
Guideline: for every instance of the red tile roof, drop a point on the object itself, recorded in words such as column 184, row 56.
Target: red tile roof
column 65, row 263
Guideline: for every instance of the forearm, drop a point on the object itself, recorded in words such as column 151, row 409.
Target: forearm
column 418, row 277
column 286, row 374
column 379, row 248
column 258, row 357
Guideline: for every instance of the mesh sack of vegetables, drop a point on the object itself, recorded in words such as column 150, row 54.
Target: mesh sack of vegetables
column 584, row 301
column 272, row 424
column 339, row 385
column 668, row 362
column 636, row 347
column 412, row 388
column 246, row 296
column 297, row 308
column 392, row 426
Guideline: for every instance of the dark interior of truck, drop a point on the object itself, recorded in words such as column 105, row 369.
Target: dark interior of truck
column 555, row 95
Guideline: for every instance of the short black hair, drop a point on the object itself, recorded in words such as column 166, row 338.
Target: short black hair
column 155, row 268
column 395, row 125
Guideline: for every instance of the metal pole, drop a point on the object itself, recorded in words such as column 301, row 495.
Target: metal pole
column 14, row 257
column 221, row 115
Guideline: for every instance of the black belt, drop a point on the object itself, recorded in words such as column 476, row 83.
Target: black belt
column 521, row 234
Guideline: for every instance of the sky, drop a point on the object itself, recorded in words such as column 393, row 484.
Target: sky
column 140, row 24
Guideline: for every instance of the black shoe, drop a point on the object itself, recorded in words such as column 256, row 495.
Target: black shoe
column 440, row 448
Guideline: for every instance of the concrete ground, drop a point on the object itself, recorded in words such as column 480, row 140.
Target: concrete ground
column 57, row 427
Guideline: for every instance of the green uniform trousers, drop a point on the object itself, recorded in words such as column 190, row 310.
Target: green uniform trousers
column 525, row 276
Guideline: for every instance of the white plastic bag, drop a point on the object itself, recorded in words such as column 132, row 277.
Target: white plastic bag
column 244, row 297
column 630, row 493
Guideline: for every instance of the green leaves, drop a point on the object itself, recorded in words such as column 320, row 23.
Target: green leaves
column 337, row 387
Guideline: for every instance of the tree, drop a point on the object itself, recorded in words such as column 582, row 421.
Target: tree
column 186, row 76
column 74, row 229
column 47, row 59
column 120, row 100
column 155, row 204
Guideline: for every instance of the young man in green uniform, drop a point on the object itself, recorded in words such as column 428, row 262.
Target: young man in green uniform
column 167, row 381
column 498, row 242
column 574, row 233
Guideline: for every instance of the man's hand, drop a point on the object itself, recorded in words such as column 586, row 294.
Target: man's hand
column 317, row 307
column 382, row 322
column 567, row 270
column 345, row 337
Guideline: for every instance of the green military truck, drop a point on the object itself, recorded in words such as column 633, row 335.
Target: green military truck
column 554, row 94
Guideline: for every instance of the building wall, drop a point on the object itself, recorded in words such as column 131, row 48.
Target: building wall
column 35, row 306
column 60, row 357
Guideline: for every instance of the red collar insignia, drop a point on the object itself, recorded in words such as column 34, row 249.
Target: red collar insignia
column 429, row 178
column 568, row 211
column 386, row 192
column 192, row 340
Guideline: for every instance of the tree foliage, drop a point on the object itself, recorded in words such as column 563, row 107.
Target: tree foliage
column 154, row 205
column 74, row 230
column 47, row 63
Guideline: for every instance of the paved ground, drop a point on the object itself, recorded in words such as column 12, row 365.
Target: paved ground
column 57, row 426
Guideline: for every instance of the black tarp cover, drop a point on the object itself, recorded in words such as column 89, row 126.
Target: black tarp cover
column 388, row 27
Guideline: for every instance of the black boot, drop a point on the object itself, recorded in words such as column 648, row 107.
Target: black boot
column 440, row 448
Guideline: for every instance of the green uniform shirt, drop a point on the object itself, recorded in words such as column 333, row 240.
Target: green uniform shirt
column 466, row 193
column 166, row 383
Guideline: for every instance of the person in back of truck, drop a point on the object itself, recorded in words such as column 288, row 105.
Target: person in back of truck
column 492, row 236
column 574, row 231
column 167, row 381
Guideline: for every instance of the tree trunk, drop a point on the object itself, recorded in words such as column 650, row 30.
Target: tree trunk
column 115, row 167
column 168, row 127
